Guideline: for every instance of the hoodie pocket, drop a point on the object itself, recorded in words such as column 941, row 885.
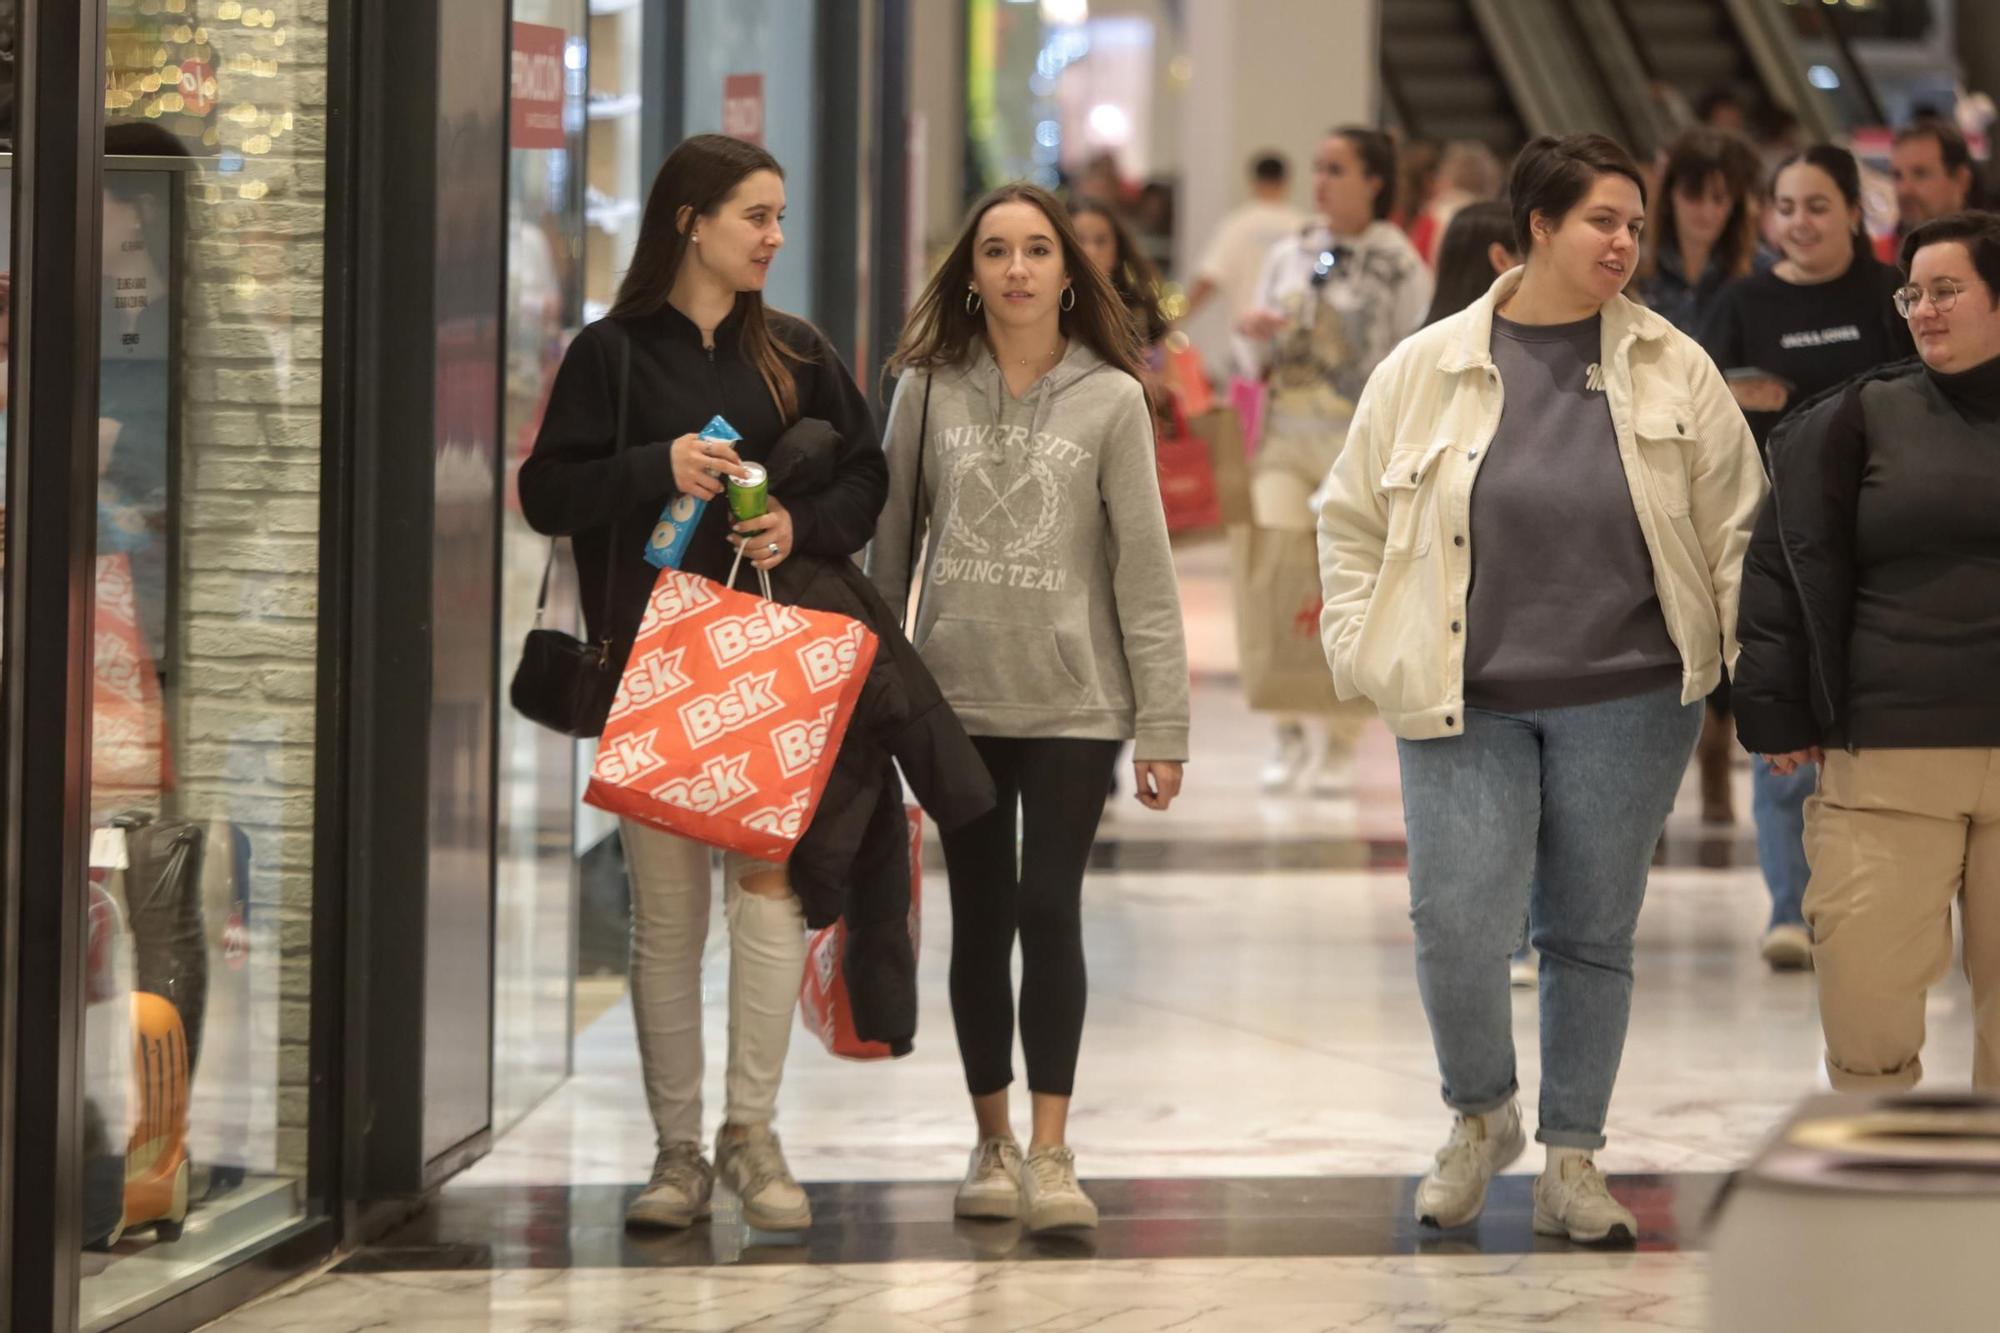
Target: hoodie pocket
column 995, row 662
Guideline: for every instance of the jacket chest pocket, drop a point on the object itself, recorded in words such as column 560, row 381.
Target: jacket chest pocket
column 1409, row 489
column 1666, row 437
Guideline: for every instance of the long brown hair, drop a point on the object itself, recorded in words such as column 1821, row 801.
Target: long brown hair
column 700, row 175
column 1696, row 156
column 941, row 331
column 1133, row 275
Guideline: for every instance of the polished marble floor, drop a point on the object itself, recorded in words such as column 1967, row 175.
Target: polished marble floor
column 1257, row 1094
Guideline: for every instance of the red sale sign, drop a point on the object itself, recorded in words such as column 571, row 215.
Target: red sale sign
column 743, row 107
column 536, row 103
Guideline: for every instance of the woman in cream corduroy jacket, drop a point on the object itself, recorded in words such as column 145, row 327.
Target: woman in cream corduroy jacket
column 1530, row 551
column 1394, row 557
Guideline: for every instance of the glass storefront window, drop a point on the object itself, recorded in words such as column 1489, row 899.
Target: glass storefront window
column 533, row 928
column 204, row 698
column 751, row 72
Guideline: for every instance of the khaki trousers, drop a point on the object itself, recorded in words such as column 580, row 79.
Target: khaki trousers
column 1894, row 838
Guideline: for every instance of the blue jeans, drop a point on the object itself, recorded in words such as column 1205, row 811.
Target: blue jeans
column 1563, row 806
column 1778, row 808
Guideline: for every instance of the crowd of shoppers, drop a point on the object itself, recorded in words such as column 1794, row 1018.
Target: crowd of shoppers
column 1531, row 475
column 1817, row 317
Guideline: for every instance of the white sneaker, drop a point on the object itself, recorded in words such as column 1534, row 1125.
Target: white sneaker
column 992, row 1185
column 753, row 1165
column 1050, row 1194
column 1334, row 774
column 678, row 1194
column 1524, row 970
column 1480, row 1148
column 1578, row 1204
column 1788, row 948
column 1288, row 762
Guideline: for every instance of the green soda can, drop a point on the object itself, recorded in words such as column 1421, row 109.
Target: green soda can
column 748, row 494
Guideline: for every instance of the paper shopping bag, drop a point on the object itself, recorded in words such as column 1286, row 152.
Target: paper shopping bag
column 1187, row 476
column 729, row 716
column 1222, row 434
column 1184, row 377
column 1247, row 397
column 825, row 1003
column 1278, row 601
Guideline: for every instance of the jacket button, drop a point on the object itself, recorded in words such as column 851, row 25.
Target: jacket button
column 1415, row 477
column 1450, row 721
column 1458, row 541
column 1472, row 455
column 1454, row 627
column 1679, row 429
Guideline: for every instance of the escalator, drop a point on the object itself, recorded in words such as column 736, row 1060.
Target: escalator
column 1749, row 48
column 1498, row 71
column 1440, row 80
column 1693, row 47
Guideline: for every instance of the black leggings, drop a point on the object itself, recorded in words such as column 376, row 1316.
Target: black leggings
column 1058, row 786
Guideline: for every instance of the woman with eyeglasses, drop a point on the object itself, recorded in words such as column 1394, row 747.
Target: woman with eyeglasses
column 1871, row 643
column 1333, row 301
column 1821, row 316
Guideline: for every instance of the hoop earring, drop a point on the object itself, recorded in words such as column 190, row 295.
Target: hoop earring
column 972, row 302
column 1069, row 298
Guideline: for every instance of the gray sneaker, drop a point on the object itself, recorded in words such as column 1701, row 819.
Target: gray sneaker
column 1050, row 1194
column 678, row 1194
column 991, row 1189
column 753, row 1165
column 1480, row 1148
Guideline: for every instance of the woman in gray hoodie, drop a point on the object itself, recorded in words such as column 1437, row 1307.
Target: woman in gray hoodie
column 1020, row 446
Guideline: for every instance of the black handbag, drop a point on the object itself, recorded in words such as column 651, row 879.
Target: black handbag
column 563, row 683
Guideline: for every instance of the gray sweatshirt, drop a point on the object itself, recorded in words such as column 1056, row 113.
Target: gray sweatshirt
column 1049, row 603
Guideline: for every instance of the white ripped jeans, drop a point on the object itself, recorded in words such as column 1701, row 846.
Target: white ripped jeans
column 671, row 891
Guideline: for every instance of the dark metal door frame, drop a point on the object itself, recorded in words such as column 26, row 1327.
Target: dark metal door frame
column 44, row 792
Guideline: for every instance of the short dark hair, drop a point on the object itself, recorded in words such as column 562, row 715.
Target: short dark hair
column 1551, row 176
column 1840, row 164
column 1271, row 168
column 1977, row 231
column 1952, row 148
column 1377, row 152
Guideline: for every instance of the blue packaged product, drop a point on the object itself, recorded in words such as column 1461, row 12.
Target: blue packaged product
column 671, row 535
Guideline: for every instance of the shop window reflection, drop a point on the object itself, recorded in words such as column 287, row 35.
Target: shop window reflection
column 204, row 677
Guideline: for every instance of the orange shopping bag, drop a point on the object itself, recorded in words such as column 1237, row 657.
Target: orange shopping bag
column 824, row 1001
column 1187, row 475
column 729, row 715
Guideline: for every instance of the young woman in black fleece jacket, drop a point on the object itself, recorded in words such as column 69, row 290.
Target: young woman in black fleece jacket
column 689, row 339
column 1871, row 643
